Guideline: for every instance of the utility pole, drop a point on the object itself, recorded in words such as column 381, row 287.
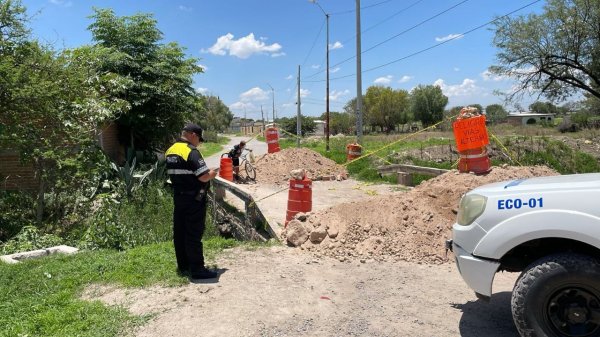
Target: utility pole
column 359, row 114
column 298, row 119
column 262, row 116
column 245, row 122
column 273, row 92
column 327, row 71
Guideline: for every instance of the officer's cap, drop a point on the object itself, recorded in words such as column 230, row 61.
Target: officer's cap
column 195, row 128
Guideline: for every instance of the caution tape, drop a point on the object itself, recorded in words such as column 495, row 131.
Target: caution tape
column 506, row 150
column 399, row 140
column 268, row 196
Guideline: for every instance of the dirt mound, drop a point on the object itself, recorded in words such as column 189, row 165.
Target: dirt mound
column 411, row 226
column 274, row 168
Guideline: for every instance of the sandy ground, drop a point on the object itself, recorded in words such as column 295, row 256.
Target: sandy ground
column 282, row 291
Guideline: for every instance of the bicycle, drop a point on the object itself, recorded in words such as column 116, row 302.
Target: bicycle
column 248, row 169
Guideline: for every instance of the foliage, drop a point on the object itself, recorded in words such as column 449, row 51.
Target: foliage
column 213, row 115
column 340, row 122
column 289, row 124
column 30, row 238
column 427, row 104
column 556, row 52
column 387, row 107
column 42, row 297
column 543, row 108
column 160, row 90
column 495, row 113
column 144, row 218
column 16, row 212
column 129, row 181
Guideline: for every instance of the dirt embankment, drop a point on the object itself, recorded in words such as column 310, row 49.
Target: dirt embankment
column 275, row 168
column 409, row 226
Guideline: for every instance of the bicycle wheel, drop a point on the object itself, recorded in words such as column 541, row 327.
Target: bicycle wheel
column 250, row 172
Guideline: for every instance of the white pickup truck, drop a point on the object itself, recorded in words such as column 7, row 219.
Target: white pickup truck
column 548, row 229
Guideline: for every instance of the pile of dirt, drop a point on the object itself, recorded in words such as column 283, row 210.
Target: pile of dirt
column 409, row 226
column 274, row 168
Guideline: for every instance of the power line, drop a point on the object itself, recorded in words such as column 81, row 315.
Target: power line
column 438, row 44
column 314, row 43
column 365, row 7
column 385, row 20
column 395, row 36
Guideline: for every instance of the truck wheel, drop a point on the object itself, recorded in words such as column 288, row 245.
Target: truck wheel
column 558, row 295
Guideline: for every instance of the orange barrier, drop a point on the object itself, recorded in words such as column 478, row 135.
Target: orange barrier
column 272, row 136
column 299, row 198
column 226, row 168
column 471, row 137
column 353, row 151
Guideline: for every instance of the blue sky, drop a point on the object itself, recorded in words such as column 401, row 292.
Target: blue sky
column 246, row 46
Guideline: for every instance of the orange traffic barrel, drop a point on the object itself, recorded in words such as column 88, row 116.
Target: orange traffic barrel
column 226, row 168
column 272, row 136
column 474, row 160
column 299, row 198
column 471, row 137
column 353, row 151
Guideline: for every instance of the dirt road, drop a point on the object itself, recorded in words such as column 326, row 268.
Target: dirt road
column 281, row 291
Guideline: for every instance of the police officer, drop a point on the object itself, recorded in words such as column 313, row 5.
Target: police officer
column 190, row 179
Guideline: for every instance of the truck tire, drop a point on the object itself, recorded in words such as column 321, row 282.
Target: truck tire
column 558, row 295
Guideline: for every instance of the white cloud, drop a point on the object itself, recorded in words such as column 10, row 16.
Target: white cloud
column 466, row 88
column 316, row 66
column 449, row 37
column 202, row 90
column 204, row 68
column 304, row 92
column 278, row 54
column 334, row 70
column 405, row 79
column 61, row 3
column 456, row 69
column 335, row 95
column 287, row 105
column 243, row 47
column 289, row 77
column 254, row 94
column 242, row 106
column 383, row 80
column 489, row 76
column 185, row 8
column 336, row 45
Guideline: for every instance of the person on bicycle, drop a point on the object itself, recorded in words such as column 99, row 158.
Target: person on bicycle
column 235, row 154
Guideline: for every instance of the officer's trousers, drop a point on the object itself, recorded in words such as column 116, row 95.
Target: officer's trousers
column 188, row 227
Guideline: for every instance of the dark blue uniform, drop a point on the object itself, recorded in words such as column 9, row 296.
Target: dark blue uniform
column 184, row 165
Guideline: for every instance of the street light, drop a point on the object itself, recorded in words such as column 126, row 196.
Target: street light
column 273, row 91
column 359, row 126
column 327, row 87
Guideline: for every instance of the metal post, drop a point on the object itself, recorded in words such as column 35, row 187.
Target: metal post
column 359, row 126
column 298, row 119
column 327, row 93
column 273, row 91
column 327, row 71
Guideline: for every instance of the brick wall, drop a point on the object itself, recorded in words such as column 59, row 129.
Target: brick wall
column 109, row 142
column 14, row 175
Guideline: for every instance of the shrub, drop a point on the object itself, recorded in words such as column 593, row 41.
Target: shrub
column 17, row 210
column 30, row 238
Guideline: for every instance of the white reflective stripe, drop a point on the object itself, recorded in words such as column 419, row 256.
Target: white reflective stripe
column 272, row 141
column 179, row 171
column 354, row 153
column 471, row 156
column 298, row 186
column 200, row 171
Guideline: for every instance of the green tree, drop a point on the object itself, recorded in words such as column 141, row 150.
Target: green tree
column 289, row 124
column 340, row 122
column 543, row 108
column 212, row 113
column 427, row 104
column 387, row 107
column 52, row 105
column 495, row 113
column 160, row 93
column 556, row 53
